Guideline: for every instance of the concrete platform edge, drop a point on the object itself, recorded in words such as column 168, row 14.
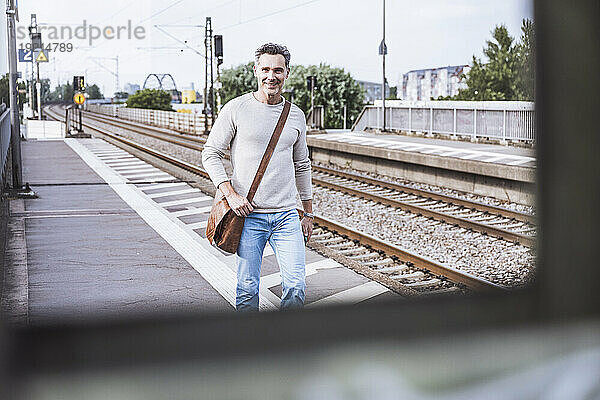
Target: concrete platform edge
column 427, row 169
column 515, row 173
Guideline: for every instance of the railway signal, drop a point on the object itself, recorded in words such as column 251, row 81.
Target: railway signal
column 219, row 49
column 79, row 84
column 79, row 98
column 36, row 39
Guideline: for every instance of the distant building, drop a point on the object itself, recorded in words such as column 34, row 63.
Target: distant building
column 188, row 96
column 373, row 90
column 427, row 84
column 131, row 88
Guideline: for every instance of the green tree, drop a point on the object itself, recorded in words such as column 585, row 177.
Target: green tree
column 67, row 92
column 526, row 66
column 509, row 73
column 393, row 93
column 5, row 92
column 62, row 92
column 498, row 78
column 154, row 99
column 93, row 92
column 237, row 81
column 45, row 91
column 335, row 88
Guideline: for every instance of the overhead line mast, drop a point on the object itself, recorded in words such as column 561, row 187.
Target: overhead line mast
column 15, row 142
column 383, row 52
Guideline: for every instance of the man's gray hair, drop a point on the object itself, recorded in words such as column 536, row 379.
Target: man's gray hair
column 273, row 48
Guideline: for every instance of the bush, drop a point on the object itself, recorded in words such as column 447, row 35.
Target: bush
column 153, row 99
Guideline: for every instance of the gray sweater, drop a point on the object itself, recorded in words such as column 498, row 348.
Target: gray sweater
column 246, row 125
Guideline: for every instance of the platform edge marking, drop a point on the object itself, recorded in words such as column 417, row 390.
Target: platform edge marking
column 213, row 270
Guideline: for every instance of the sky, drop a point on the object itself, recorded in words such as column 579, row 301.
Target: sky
column 341, row 33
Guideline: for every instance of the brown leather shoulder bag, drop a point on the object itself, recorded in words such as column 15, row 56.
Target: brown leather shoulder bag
column 224, row 228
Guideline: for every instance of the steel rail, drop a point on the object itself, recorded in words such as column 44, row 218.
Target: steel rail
column 160, row 129
column 519, row 216
column 426, row 212
column 158, row 154
column 455, row 275
column 508, row 235
column 516, row 215
column 134, row 127
column 390, row 249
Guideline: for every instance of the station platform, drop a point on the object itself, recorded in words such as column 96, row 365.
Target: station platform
column 111, row 234
column 506, row 173
column 488, row 153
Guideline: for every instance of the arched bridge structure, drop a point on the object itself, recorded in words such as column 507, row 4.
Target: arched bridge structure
column 164, row 82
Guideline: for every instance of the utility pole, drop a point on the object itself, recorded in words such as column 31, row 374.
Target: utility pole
column 38, row 85
column 204, row 97
column 312, row 102
column 219, row 56
column 36, row 44
column 31, row 101
column 212, row 88
column 15, row 142
column 383, row 52
column 117, row 74
column 311, row 83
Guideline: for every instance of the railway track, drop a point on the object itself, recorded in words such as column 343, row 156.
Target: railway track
column 404, row 272
column 491, row 220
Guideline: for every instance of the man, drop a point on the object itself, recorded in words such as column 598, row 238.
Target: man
column 246, row 125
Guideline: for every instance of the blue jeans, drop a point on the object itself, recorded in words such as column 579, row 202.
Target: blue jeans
column 284, row 233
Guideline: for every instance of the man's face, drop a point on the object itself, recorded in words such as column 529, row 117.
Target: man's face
column 271, row 74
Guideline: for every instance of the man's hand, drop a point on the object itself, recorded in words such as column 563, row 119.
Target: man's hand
column 307, row 222
column 239, row 204
column 307, row 227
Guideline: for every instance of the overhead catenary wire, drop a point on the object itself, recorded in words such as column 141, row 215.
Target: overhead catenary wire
column 262, row 16
column 119, row 11
column 161, row 11
column 205, row 11
column 184, row 43
column 268, row 14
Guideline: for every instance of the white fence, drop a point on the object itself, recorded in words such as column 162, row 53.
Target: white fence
column 177, row 121
column 503, row 120
column 43, row 129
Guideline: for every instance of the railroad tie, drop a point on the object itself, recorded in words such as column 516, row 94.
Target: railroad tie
column 333, row 240
column 421, row 284
column 321, row 236
column 513, row 225
column 351, row 251
column 341, row 245
column 364, row 256
column 414, row 275
column 395, row 268
column 451, row 289
column 377, row 263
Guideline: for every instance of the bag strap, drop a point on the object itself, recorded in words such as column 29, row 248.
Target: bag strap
column 269, row 151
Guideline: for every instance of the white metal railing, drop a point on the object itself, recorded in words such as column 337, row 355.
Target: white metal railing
column 5, row 133
column 504, row 120
column 177, row 121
